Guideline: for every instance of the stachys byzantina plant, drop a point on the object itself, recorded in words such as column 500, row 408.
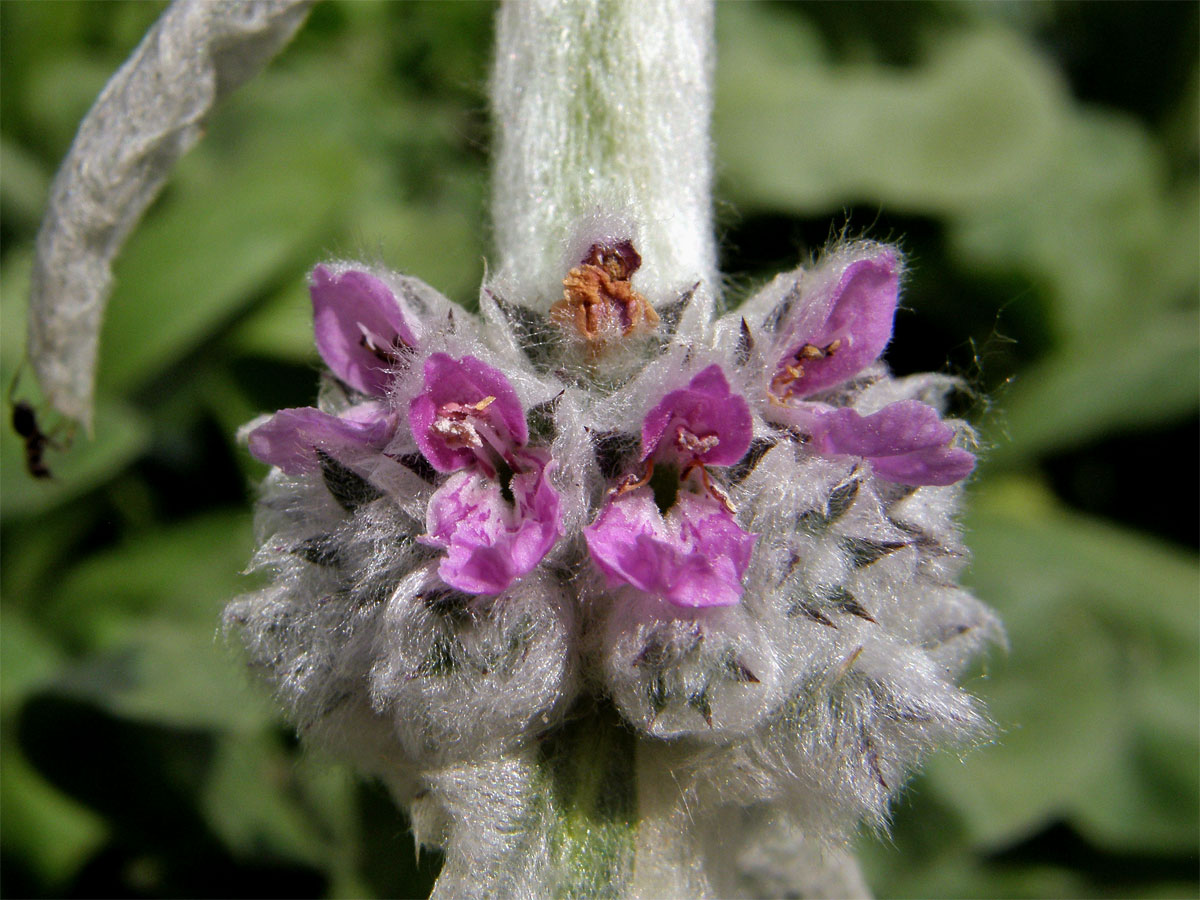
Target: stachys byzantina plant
column 619, row 595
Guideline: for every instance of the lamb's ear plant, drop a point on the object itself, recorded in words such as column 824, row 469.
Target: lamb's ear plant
column 619, row 595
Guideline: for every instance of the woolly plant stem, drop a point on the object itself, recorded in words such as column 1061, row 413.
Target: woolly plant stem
column 602, row 109
column 601, row 113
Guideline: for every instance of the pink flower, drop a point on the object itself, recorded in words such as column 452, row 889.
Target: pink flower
column 702, row 423
column 693, row 553
column 498, row 515
column 841, row 327
column 361, row 333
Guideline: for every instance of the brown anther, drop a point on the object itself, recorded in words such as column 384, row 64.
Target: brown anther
column 599, row 301
column 454, row 424
column 809, row 351
column 792, row 369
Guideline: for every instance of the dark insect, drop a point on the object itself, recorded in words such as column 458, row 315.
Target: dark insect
column 24, row 423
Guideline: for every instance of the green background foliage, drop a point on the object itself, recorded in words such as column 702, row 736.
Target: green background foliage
column 1037, row 161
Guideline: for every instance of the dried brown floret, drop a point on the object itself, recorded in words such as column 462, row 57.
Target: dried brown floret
column 599, row 301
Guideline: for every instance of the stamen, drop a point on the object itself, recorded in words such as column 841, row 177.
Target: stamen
column 791, row 370
column 461, row 425
column 389, row 355
column 632, row 482
column 693, row 444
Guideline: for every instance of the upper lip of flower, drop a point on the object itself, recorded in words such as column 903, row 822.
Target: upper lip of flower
column 467, row 415
column 842, row 327
column 693, row 553
column 703, row 423
column 361, row 330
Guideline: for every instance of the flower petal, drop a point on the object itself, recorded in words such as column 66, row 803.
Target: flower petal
column 490, row 541
column 359, row 326
column 907, row 442
column 465, row 382
column 695, row 556
column 707, row 410
column 844, row 324
column 291, row 437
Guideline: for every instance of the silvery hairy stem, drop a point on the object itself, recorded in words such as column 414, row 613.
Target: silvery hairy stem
column 601, row 110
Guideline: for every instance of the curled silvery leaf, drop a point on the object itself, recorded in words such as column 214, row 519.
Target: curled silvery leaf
column 148, row 116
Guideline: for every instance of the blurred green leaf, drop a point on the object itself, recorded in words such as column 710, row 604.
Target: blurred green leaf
column 1096, row 226
column 1138, row 379
column 1092, row 612
column 44, row 828
column 209, row 252
column 253, row 802
column 280, row 328
column 967, row 126
column 1059, row 720
column 186, row 573
column 262, row 801
column 28, row 658
column 148, row 612
column 172, row 675
column 24, row 184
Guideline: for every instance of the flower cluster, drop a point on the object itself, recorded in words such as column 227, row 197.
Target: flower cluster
column 735, row 530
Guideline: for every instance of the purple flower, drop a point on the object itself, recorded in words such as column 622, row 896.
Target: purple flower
column 360, row 332
column 842, row 327
column 703, row 423
column 498, row 515
column 292, row 437
column 695, row 555
column 692, row 553
column 492, row 541
column 360, row 329
column 907, row 442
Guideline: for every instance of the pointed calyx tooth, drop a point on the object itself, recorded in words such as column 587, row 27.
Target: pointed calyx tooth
column 599, row 302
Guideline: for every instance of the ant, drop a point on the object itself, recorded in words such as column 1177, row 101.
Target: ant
column 25, row 424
